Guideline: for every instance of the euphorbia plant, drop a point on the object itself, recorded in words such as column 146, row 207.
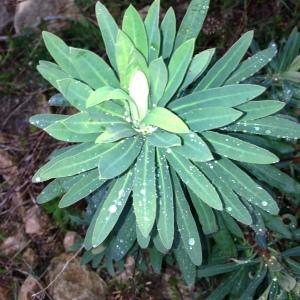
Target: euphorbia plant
column 163, row 138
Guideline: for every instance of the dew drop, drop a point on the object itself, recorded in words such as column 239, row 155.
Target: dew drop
column 112, row 209
column 191, row 241
column 264, row 203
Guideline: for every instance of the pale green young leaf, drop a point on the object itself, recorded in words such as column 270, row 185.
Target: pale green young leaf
column 252, row 65
column 168, row 30
column 177, row 68
column 60, row 52
column 227, row 96
column 109, row 30
column 239, row 150
column 165, row 119
column 198, row 65
column 93, row 69
column 119, row 157
column 115, row 133
column 134, row 27
column 203, row 119
column 186, row 224
column 194, row 179
column 142, row 241
column 144, row 190
column 153, row 31
column 165, row 211
column 163, row 139
column 107, row 216
column 192, row 21
column 193, row 148
column 220, row 71
column 258, row 109
column 89, row 183
column 158, row 73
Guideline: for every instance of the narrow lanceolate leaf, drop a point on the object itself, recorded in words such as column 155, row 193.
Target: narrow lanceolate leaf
column 202, row 119
column 194, row 179
column 115, row 133
column 142, row 241
column 119, row 157
column 158, row 80
column 205, row 214
column 198, row 65
column 107, row 216
column 60, row 52
column 93, row 69
column 252, row 65
column 83, row 123
column 163, row 139
column 269, row 126
column 232, row 225
column 109, row 31
column 168, row 29
column 165, row 216
column 220, row 71
column 165, row 119
column 75, row 92
column 52, row 73
column 243, row 185
column 232, row 203
column 134, row 27
column 193, row 148
column 44, row 120
column 237, row 149
column 192, row 21
column 227, row 96
column 156, row 259
column 144, row 190
column 177, row 68
column 152, row 29
column 60, row 132
column 186, row 225
column 258, row 109
column 89, row 183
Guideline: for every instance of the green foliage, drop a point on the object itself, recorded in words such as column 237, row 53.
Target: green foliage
column 173, row 149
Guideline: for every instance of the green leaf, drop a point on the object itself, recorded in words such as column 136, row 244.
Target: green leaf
column 134, row 27
column 156, row 259
column 115, row 133
column 205, row 214
column 74, row 161
column 227, row 96
column 89, row 183
column 60, row 52
column 232, row 226
column 44, row 120
column 152, row 29
column 203, row 119
column 144, row 190
column 193, row 148
column 220, row 71
column 237, row 149
column 158, row 244
column 232, row 203
column 269, row 126
column 187, row 268
column 142, row 241
column 75, row 92
column 109, row 30
column 158, row 80
column 165, row 119
column 177, row 69
column 163, row 139
column 52, row 73
column 192, row 21
column 168, row 30
column 293, row 252
column 83, row 123
column 58, row 100
column 119, row 157
column 198, row 65
column 165, row 212
column 243, row 185
column 258, row 109
column 93, row 69
column 108, row 214
column 252, row 65
column 194, row 179
column 186, row 225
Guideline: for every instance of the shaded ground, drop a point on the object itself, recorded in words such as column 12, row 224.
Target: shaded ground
column 31, row 238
